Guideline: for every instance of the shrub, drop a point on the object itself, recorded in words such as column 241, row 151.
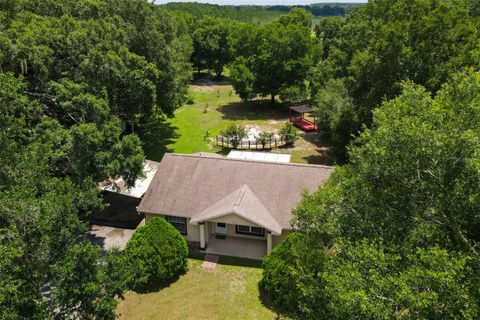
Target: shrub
column 264, row 137
column 190, row 98
column 158, row 252
column 235, row 134
column 289, row 133
column 291, row 276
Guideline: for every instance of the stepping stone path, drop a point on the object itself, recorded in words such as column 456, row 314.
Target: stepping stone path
column 210, row 261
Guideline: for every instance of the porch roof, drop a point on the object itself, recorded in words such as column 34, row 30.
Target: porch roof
column 243, row 203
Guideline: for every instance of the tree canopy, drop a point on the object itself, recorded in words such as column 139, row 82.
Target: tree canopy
column 212, row 42
column 399, row 223
column 273, row 59
column 71, row 73
column 383, row 43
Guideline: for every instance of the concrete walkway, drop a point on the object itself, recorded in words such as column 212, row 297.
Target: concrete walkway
column 210, row 261
column 109, row 237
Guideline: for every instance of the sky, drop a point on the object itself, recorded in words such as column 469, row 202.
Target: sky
column 260, row 2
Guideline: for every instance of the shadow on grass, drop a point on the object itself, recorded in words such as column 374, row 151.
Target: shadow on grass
column 239, row 262
column 195, row 254
column 325, row 154
column 254, row 110
column 199, row 75
column 156, row 136
column 205, row 79
column 149, row 288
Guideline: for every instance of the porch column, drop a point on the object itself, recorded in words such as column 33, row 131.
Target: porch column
column 269, row 242
column 202, row 235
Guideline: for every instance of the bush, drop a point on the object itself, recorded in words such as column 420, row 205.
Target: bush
column 291, row 276
column 264, row 137
column 235, row 134
column 289, row 133
column 158, row 252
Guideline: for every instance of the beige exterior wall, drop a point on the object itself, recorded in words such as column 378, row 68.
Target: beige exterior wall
column 193, row 231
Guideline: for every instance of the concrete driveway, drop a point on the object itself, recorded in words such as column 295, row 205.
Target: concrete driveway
column 109, row 237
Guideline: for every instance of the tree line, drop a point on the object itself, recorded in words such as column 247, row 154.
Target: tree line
column 256, row 14
column 72, row 74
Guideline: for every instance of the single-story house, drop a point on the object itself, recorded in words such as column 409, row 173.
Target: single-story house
column 229, row 206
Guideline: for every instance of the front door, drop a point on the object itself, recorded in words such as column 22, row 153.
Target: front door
column 221, row 228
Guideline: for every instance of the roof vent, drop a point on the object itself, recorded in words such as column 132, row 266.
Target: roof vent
column 239, row 197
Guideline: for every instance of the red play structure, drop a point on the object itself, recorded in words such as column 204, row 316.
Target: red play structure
column 298, row 118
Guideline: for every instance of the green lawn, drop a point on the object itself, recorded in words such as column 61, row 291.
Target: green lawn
column 215, row 106
column 228, row 292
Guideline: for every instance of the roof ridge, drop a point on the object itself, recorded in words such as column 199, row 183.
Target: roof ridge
column 255, row 161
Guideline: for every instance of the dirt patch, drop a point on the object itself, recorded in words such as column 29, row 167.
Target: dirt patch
column 211, row 85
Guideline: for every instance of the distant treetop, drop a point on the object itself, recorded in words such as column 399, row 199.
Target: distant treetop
column 254, row 13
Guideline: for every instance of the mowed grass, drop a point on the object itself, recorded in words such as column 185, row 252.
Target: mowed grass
column 226, row 292
column 194, row 126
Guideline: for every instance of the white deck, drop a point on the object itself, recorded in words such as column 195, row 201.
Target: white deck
column 237, row 247
column 259, row 156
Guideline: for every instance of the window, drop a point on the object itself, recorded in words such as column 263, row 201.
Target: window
column 251, row 231
column 179, row 223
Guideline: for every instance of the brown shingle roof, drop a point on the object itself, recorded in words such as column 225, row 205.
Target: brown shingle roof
column 186, row 185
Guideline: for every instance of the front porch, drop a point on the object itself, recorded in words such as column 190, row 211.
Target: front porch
column 237, row 247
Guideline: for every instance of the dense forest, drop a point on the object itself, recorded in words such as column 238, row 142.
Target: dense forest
column 256, row 14
column 394, row 83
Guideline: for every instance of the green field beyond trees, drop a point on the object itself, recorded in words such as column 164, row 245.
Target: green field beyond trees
column 256, row 14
